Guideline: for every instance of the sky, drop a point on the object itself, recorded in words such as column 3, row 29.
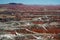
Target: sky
column 32, row 2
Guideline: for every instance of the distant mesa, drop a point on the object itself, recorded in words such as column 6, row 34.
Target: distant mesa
column 16, row 3
column 12, row 3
